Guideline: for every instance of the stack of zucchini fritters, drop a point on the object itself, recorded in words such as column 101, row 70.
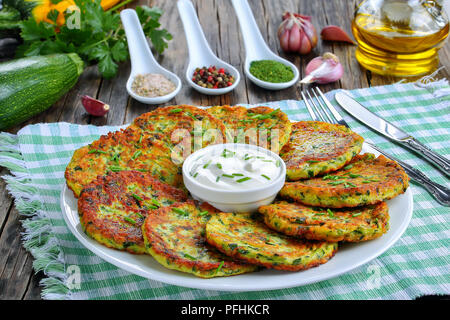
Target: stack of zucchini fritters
column 131, row 196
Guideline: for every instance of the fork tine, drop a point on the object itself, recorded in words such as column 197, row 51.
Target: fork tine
column 318, row 113
column 330, row 106
column 308, row 106
column 323, row 108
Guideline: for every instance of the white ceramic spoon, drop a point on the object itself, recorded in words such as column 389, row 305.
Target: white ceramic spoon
column 200, row 54
column 142, row 59
column 256, row 48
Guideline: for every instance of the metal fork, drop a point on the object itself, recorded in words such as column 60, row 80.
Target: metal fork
column 324, row 111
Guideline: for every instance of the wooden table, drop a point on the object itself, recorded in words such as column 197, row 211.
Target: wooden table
column 17, row 278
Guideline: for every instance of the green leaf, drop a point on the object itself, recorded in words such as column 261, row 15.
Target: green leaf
column 159, row 38
column 119, row 51
column 32, row 31
column 53, row 15
column 107, row 67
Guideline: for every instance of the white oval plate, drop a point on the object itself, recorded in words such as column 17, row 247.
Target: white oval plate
column 348, row 257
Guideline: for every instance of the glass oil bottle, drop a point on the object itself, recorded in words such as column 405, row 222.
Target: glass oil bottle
column 400, row 37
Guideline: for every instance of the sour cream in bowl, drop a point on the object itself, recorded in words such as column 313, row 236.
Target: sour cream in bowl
column 234, row 177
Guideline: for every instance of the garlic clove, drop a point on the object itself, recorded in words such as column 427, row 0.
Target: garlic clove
column 305, row 45
column 324, row 69
column 93, row 106
column 311, row 33
column 294, row 38
column 334, row 33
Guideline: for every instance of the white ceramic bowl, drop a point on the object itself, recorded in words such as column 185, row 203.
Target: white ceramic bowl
column 233, row 200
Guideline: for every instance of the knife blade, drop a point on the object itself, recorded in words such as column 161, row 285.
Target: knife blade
column 391, row 131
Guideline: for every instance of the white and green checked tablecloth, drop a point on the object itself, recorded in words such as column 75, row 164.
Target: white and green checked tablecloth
column 418, row 264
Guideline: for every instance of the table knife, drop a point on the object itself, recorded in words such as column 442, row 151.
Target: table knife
column 390, row 131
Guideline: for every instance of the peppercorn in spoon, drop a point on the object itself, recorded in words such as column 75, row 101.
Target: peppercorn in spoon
column 259, row 53
column 218, row 77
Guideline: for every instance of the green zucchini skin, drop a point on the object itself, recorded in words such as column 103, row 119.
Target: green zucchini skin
column 30, row 85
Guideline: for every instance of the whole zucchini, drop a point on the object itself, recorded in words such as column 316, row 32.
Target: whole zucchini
column 30, row 85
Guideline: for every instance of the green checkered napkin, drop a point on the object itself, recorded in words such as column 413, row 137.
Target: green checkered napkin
column 418, row 264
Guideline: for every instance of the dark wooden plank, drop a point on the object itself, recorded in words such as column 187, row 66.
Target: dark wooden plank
column 15, row 262
column 6, row 201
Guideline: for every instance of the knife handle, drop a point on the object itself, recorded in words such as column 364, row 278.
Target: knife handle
column 439, row 192
column 439, row 161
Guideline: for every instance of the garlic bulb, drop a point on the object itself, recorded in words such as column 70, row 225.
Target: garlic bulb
column 297, row 33
column 324, row 69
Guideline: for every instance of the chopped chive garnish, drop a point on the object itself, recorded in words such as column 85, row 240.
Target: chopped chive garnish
column 248, row 158
column 189, row 257
column 156, row 202
column 330, row 213
column 217, row 179
column 140, row 139
column 201, row 214
column 139, row 215
column 115, row 168
column 264, row 176
column 227, row 175
column 207, row 164
column 136, row 154
column 243, row 179
column 180, row 211
column 312, row 161
column 195, row 175
column 351, row 184
column 220, row 266
column 141, row 170
column 356, row 214
column 97, row 151
column 136, row 197
column 175, row 110
column 335, row 183
column 128, row 219
column 266, row 160
column 190, row 115
column 152, row 207
column 238, row 174
column 218, row 165
column 227, row 153
column 348, row 167
column 278, row 163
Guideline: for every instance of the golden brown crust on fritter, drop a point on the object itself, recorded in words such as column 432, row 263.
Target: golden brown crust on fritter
column 316, row 148
column 261, row 125
column 122, row 150
column 113, row 207
column 178, row 122
column 312, row 223
column 245, row 238
column 365, row 180
column 175, row 237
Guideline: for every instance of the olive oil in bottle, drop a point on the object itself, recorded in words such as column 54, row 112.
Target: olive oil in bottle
column 400, row 37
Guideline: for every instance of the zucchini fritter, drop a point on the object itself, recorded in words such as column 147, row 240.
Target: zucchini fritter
column 176, row 123
column 316, row 148
column 365, row 180
column 122, row 150
column 244, row 237
column 112, row 208
column 262, row 126
column 352, row 225
column 175, row 237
